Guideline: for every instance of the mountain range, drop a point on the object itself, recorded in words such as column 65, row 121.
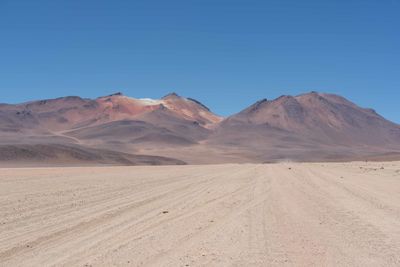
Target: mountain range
column 118, row 129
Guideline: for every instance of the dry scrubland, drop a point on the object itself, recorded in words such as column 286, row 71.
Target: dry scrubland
column 237, row 215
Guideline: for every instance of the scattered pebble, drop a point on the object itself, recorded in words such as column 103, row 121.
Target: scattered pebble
column 165, row 211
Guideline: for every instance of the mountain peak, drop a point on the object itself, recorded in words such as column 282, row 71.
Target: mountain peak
column 116, row 94
column 310, row 94
column 309, row 126
column 171, row 95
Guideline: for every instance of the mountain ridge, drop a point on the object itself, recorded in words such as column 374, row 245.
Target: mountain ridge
column 305, row 127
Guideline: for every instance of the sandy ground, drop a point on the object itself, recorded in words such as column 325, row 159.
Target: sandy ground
column 220, row 215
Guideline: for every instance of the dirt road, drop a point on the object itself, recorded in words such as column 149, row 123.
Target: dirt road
column 222, row 215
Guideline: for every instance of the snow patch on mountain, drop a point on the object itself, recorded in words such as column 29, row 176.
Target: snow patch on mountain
column 150, row 101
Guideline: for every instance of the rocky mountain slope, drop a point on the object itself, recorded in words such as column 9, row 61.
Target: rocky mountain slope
column 308, row 127
column 294, row 127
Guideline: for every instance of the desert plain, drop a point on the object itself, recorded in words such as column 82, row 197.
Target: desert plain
column 284, row 214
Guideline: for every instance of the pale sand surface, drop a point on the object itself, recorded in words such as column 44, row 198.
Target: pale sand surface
column 288, row 214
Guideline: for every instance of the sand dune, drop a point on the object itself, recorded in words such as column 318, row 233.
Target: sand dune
column 311, row 214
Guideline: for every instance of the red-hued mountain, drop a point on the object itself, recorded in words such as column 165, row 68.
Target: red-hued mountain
column 114, row 122
column 75, row 112
column 308, row 127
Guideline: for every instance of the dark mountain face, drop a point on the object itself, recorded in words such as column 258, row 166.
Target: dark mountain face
column 311, row 126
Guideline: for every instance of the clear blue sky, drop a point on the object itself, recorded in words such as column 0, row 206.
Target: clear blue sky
column 225, row 53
